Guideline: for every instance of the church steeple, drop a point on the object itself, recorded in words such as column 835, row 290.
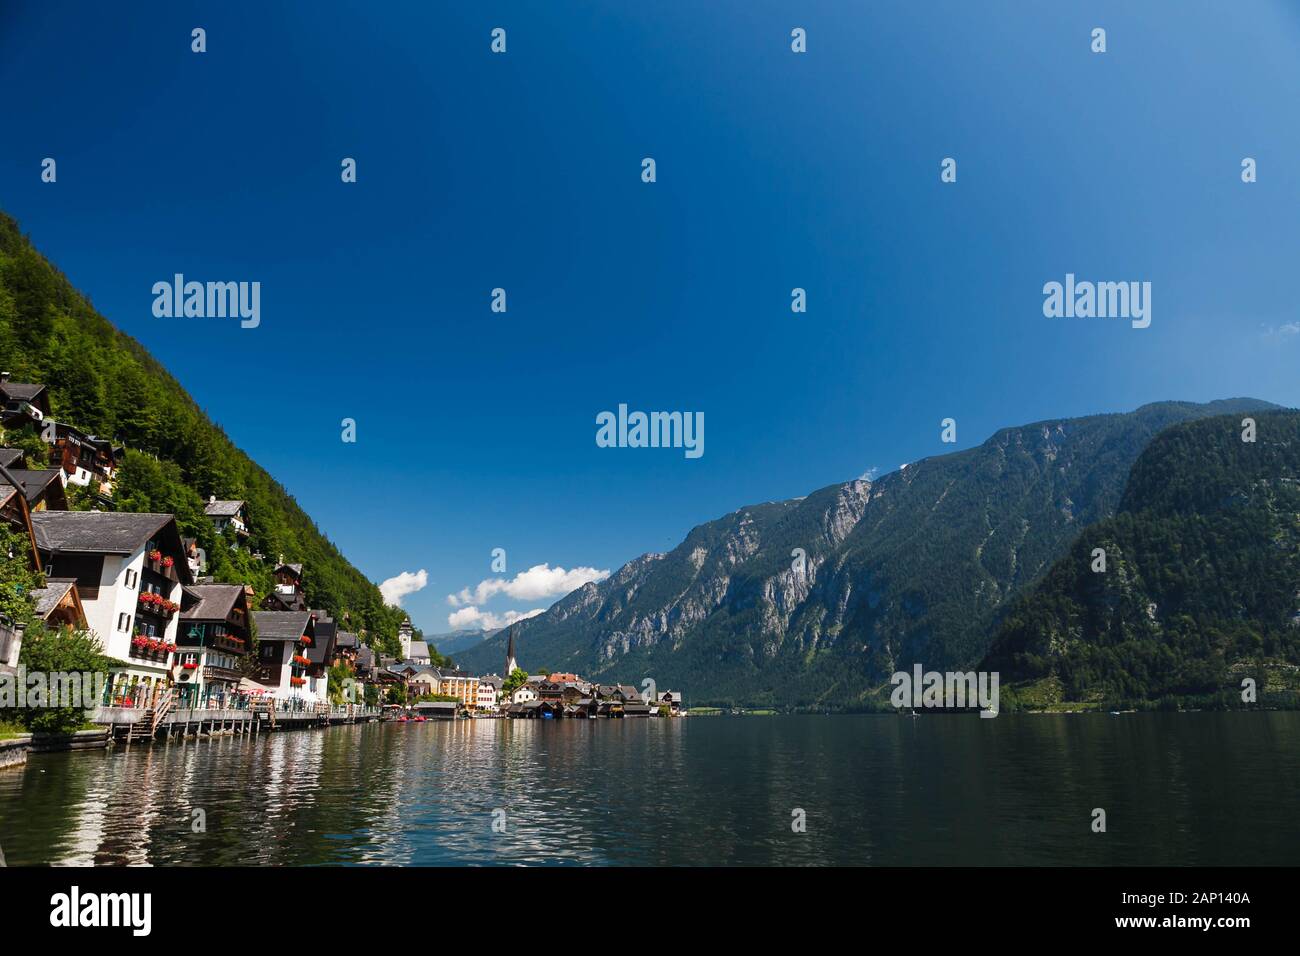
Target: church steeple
column 511, row 664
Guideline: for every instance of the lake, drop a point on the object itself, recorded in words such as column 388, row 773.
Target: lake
column 1206, row 789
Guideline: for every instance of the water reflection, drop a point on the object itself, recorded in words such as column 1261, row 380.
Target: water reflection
column 1177, row 789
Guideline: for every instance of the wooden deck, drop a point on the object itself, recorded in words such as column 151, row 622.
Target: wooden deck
column 149, row 723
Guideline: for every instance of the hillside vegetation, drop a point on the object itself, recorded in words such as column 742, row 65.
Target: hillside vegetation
column 105, row 383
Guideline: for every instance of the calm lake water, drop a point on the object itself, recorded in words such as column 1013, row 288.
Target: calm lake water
column 1177, row 789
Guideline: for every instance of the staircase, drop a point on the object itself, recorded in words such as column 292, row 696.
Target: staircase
column 263, row 709
column 147, row 726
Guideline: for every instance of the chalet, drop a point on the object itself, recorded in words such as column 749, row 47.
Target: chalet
column 365, row 663
column 226, row 514
column 288, row 594
column 345, row 649
column 321, row 654
column 43, row 488
column 83, row 458
column 59, row 605
column 672, row 699
column 213, row 641
column 129, row 570
column 22, row 402
column 283, row 638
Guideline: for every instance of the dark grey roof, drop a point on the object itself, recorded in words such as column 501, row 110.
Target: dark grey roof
column 214, row 601
column 103, row 532
column 35, row 482
column 222, row 509
column 365, row 657
column 345, row 639
column 492, row 679
column 281, row 625
column 22, row 391
column 48, row 597
column 295, row 568
column 10, row 456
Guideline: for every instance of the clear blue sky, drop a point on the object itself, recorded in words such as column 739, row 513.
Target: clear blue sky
column 477, row 430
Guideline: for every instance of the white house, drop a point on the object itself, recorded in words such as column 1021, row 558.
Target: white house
column 489, row 692
column 284, row 668
column 223, row 513
column 524, row 694
column 129, row 570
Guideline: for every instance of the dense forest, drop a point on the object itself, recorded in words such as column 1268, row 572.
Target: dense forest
column 1200, row 587
column 105, row 383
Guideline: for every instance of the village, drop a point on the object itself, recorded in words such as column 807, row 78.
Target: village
column 194, row 656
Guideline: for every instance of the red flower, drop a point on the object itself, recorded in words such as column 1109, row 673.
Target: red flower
column 167, row 562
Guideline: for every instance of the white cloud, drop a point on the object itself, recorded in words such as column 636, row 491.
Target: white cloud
column 1282, row 331
column 539, row 582
column 408, row 582
column 471, row 617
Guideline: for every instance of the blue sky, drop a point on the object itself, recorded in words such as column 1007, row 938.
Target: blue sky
column 776, row 170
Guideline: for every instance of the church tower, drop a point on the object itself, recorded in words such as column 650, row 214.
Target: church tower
column 511, row 664
column 405, row 634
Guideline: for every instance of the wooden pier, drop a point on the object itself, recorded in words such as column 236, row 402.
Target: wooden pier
column 162, row 720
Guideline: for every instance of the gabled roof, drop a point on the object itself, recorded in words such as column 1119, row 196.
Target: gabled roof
column 281, row 625
column 102, row 532
column 21, row 391
column 365, row 657
column 48, row 597
column 322, row 647
column 35, row 482
column 419, row 649
column 345, row 639
column 222, row 509
column 295, row 568
column 10, row 457
column 213, row 602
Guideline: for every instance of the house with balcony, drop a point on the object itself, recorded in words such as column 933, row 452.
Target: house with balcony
column 283, row 638
column 84, row 458
column 213, row 640
column 288, row 594
column 227, row 514
column 321, row 655
column 129, row 570
column 346, row 648
column 22, row 402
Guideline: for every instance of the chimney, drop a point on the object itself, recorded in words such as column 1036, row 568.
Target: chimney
column 4, row 377
column 212, row 499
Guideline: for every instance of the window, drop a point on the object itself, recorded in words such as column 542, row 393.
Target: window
column 132, row 577
column 124, row 621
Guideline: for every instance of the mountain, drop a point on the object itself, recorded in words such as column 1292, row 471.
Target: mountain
column 105, row 383
column 1201, row 583
column 455, row 641
column 913, row 567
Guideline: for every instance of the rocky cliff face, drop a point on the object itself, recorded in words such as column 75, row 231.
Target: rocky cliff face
column 813, row 601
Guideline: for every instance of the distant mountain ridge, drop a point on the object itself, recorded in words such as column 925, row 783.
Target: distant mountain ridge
column 913, row 567
column 1201, row 583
